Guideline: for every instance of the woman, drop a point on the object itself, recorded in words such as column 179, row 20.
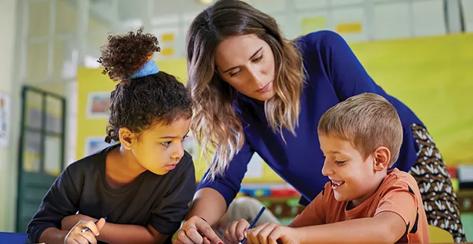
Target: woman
column 255, row 91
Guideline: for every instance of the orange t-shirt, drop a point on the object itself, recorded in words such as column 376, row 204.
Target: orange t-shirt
column 397, row 192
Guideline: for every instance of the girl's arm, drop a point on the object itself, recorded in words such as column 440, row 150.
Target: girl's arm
column 116, row 233
column 53, row 235
column 122, row 233
column 59, row 201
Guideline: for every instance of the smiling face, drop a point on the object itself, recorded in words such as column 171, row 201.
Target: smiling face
column 246, row 62
column 353, row 178
column 160, row 147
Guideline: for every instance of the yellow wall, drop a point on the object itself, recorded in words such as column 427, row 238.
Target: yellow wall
column 433, row 76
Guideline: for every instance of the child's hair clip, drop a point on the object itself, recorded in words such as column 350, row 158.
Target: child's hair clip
column 149, row 68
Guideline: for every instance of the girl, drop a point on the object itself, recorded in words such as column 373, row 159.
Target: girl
column 142, row 185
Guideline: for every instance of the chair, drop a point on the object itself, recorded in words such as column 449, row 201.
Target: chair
column 12, row 237
column 438, row 235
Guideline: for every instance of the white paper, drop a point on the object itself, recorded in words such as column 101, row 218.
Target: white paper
column 255, row 167
column 391, row 20
column 4, row 119
column 429, row 18
column 467, row 8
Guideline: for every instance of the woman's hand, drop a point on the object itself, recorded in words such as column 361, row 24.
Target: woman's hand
column 195, row 230
column 272, row 234
column 69, row 221
column 84, row 232
column 235, row 232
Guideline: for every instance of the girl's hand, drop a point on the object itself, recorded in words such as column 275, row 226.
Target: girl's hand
column 69, row 221
column 84, row 232
column 195, row 230
column 272, row 234
column 235, row 232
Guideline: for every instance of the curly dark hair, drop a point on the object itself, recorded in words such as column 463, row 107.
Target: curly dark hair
column 125, row 54
column 138, row 103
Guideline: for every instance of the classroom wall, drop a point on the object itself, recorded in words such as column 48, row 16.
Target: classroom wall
column 434, row 77
column 8, row 162
column 435, row 84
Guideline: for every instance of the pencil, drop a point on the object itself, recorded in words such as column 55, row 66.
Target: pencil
column 85, row 229
column 253, row 223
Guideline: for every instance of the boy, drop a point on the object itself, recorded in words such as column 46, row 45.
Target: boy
column 364, row 201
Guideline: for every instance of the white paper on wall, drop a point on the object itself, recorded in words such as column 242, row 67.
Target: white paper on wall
column 350, row 22
column 467, row 9
column 428, row 18
column 255, row 167
column 4, row 119
column 391, row 20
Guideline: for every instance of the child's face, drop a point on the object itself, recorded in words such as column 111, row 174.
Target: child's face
column 352, row 177
column 160, row 148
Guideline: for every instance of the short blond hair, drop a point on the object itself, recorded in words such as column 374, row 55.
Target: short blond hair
column 368, row 121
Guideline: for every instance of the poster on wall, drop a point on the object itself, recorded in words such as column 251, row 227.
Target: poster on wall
column 95, row 144
column 98, row 104
column 4, row 116
column 255, row 167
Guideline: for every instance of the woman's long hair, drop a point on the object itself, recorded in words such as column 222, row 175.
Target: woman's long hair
column 215, row 123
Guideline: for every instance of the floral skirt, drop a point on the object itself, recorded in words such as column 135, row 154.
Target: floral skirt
column 440, row 201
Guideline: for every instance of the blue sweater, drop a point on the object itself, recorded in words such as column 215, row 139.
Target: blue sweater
column 333, row 75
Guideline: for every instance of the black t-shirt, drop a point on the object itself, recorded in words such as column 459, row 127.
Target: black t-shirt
column 161, row 201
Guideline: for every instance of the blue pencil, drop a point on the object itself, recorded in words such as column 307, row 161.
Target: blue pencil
column 253, row 223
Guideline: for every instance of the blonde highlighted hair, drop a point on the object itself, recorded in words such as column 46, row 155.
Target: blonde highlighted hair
column 368, row 121
column 215, row 123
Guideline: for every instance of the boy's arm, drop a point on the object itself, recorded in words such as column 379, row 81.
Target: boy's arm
column 313, row 214
column 395, row 216
column 386, row 227
column 393, row 219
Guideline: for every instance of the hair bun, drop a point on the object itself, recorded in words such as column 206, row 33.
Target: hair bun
column 123, row 55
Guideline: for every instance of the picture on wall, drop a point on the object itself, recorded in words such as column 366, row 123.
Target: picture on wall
column 98, row 104
column 95, row 144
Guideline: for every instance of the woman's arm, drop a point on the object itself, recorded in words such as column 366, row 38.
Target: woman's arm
column 208, row 204
column 207, row 208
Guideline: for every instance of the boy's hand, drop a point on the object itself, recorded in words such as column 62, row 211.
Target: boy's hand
column 235, row 232
column 195, row 230
column 84, row 232
column 272, row 234
column 69, row 221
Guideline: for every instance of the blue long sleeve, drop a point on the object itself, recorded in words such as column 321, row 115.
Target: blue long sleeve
column 333, row 73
